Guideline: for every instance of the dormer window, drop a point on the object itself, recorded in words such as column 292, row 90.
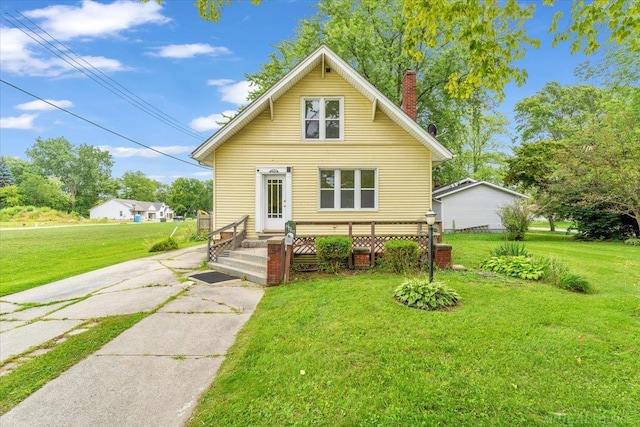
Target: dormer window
column 323, row 118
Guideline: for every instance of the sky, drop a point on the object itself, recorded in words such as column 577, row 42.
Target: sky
column 159, row 75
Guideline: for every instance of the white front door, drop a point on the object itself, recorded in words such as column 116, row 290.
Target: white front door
column 274, row 198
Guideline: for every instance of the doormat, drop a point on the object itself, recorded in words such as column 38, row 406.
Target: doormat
column 213, row 277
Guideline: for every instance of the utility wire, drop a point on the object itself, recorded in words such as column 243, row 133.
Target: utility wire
column 100, row 126
column 97, row 76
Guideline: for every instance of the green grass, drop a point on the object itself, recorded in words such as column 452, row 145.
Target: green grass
column 35, row 256
column 559, row 224
column 34, row 373
column 339, row 351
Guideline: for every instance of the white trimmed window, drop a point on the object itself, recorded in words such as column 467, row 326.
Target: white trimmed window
column 348, row 189
column 322, row 118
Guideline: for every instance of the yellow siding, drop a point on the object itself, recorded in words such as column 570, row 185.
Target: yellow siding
column 404, row 165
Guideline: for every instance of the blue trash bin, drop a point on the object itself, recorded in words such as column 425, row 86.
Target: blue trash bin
column 137, row 218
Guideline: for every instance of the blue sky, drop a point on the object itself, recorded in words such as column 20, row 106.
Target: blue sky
column 172, row 63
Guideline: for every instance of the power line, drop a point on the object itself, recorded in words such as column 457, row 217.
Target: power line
column 97, row 76
column 100, row 126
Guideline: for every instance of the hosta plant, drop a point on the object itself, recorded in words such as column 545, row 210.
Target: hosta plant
column 521, row 267
column 417, row 292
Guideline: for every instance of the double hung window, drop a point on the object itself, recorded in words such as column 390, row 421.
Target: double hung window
column 323, row 118
column 348, row 189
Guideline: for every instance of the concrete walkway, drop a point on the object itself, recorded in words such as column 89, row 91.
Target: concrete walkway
column 150, row 375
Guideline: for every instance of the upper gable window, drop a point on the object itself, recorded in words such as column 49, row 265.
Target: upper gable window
column 323, row 118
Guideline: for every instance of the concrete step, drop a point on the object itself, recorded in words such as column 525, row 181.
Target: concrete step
column 244, row 265
column 256, row 255
column 247, row 243
column 254, row 277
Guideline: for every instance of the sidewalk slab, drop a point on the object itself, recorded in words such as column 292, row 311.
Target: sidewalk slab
column 83, row 284
column 235, row 294
column 7, row 325
column 107, row 391
column 18, row 340
column 111, row 304
column 174, row 334
column 189, row 304
column 33, row 313
column 7, row 307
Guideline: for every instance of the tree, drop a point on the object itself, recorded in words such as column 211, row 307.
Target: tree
column 20, row 168
column 135, row 185
column 9, row 196
column 84, row 170
column 602, row 162
column 188, row 195
column 6, row 177
column 38, row 191
column 490, row 33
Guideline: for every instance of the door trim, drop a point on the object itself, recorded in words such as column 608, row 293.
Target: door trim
column 261, row 199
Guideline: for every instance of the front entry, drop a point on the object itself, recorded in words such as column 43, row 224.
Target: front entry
column 274, row 206
column 273, row 198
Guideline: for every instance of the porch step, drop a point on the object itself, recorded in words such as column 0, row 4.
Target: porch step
column 252, row 243
column 248, row 263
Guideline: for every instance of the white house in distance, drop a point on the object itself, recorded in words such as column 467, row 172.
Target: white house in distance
column 122, row 209
column 469, row 204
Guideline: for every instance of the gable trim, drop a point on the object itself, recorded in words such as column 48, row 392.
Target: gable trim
column 327, row 58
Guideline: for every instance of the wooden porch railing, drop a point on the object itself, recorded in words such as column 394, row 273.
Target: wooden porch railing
column 216, row 248
column 304, row 244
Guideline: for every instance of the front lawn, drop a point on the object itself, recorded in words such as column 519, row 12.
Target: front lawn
column 339, row 351
column 35, row 256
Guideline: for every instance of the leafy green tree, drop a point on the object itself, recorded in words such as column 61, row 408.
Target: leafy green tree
column 188, row 195
column 136, row 186
column 6, row 177
column 602, row 162
column 38, row 191
column 84, row 170
column 490, row 33
column 9, row 196
column 20, row 168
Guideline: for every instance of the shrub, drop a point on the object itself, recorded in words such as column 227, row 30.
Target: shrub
column 401, row 256
column 417, row 292
column 521, row 267
column 332, row 252
column 167, row 244
column 516, row 219
column 510, row 249
column 632, row 242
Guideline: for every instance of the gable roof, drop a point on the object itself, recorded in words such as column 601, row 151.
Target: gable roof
column 325, row 56
column 467, row 183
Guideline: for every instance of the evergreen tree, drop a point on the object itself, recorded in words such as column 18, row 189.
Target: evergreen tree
column 6, row 177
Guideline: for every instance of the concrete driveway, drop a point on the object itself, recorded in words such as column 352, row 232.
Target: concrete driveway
column 150, row 375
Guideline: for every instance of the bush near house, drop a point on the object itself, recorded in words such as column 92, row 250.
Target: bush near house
column 332, row 252
column 401, row 256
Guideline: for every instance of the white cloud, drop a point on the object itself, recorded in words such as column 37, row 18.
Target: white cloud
column 219, row 82
column 24, row 121
column 20, row 54
column 189, row 50
column 212, row 122
column 231, row 91
column 145, row 152
column 206, row 174
column 43, row 106
column 97, row 20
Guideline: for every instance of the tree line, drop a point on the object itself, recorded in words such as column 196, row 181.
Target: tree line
column 75, row 178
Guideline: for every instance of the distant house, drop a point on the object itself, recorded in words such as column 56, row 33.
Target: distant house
column 472, row 204
column 123, row 209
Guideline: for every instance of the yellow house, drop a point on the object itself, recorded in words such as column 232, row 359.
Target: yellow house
column 323, row 144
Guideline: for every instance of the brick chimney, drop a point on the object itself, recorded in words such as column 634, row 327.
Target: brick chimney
column 409, row 94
